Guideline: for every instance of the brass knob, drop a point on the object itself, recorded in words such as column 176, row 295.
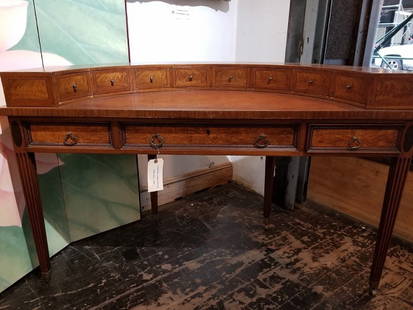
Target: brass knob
column 157, row 141
column 270, row 78
column 230, row 78
column 151, row 79
column 354, row 143
column 261, row 142
column 70, row 139
column 74, row 86
column 112, row 82
column 310, row 82
column 349, row 86
column 190, row 78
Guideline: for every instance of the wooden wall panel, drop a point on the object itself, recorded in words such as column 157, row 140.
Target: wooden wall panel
column 356, row 187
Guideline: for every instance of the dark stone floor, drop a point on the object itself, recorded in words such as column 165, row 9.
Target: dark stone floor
column 212, row 250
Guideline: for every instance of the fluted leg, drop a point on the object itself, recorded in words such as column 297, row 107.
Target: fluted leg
column 269, row 183
column 27, row 167
column 394, row 190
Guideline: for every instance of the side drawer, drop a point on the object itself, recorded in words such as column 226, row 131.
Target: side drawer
column 311, row 82
column 277, row 79
column 354, row 138
column 72, row 86
column 69, row 134
column 191, row 77
column 107, row 81
column 351, row 88
column 170, row 136
column 230, row 77
column 151, row 78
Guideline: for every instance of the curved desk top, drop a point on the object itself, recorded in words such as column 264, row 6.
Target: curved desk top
column 251, row 90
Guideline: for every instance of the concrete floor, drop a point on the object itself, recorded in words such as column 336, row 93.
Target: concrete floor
column 212, row 250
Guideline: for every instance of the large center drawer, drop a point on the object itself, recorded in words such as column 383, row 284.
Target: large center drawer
column 170, row 136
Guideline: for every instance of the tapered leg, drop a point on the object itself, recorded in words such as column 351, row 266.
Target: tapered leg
column 27, row 167
column 269, row 182
column 394, row 190
column 154, row 195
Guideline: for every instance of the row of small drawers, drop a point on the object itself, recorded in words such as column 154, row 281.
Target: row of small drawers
column 349, row 87
column 320, row 137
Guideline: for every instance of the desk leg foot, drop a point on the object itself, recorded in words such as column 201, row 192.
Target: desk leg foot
column 28, row 174
column 394, row 189
column 269, row 183
column 154, row 195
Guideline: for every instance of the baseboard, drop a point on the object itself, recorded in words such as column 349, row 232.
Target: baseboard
column 189, row 183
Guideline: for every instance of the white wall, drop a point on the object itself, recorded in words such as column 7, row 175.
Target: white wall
column 202, row 31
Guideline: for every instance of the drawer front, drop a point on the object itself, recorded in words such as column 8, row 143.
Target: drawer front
column 354, row 139
column 272, row 79
column 169, row 136
column 393, row 92
column 313, row 83
column 69, row 135
column 72, row 86
column 350, row 88
column 151, row 78
column 229, row 77
column 105, row 82
column 191, row 77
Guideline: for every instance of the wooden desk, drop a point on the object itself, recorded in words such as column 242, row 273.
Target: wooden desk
column 266, row 110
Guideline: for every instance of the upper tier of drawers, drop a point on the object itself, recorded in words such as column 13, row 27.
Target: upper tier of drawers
column 373, row 90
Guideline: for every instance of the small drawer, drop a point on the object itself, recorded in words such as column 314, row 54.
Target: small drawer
column 230, row 77
column 191, row 77
column 72, row 86
column 69, row 134
column 105, row 82
column 354, row 139
column 351, row 88
column 151, row 78
column 312, row 83
column 272, row 79
column 204, row 136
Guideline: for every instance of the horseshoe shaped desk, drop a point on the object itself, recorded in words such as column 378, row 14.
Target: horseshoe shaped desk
column 214, row 109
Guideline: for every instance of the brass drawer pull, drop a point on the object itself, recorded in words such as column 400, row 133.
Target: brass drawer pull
column 74, row 86
column 190, row 78
column 310, row 82
column 230, row 78
column 354, row 144
column 112, row 82
column 70, row 139
column 151, row 79
column 261, row 142
column 270, row 78
column 349, row 86
column 157, row 141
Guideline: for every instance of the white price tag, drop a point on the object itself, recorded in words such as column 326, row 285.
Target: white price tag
column 155, row 175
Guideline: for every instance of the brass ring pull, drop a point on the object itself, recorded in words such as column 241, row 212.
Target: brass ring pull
column 354, row 144
column 261, row 142
column 74, row 86
column 157, row 141
column 70, row 139
column 112, row 82
column 190, row 78
column 230, row 78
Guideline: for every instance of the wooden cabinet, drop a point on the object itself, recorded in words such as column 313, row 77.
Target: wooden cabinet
column 354, row 139
column 151, row 78
column 191, row 77
column 278, row 79
column 351, row 88
column 69, row 134
column 72, row 86
column 110, row 81
column 311, row 82
column 198, row 136
column 228, row 77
